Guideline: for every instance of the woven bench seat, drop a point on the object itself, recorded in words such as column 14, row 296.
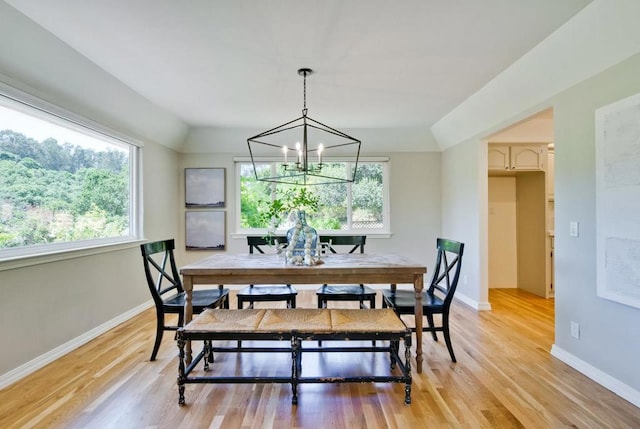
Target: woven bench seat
column 295, row 325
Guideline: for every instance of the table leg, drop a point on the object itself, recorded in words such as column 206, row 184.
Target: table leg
column 418, row 285
column 187, row 285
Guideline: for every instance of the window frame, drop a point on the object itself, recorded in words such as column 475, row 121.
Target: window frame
column 21, row 101
column 386, row 201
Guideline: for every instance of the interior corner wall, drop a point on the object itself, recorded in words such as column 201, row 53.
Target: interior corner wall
column 463, row 213
column 609, row 335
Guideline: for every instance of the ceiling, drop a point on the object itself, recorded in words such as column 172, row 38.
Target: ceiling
column 377, row 63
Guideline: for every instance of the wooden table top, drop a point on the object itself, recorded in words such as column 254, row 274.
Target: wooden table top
column 252, row 268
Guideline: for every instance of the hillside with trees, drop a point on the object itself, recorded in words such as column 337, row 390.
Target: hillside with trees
column 52, row 192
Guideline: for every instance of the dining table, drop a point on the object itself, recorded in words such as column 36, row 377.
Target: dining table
column 256, row 269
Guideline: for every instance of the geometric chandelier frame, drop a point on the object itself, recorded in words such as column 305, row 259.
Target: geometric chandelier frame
column 308, row 150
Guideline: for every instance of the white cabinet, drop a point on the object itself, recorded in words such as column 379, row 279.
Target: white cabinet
column 498, row 157
column 517, row 157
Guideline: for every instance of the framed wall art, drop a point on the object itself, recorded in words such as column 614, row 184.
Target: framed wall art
column 205, row 230
column 204, row 187
column 618, row 201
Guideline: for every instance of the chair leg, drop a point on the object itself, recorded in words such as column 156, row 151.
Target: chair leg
column 321, row 304
column 431, row 326
column 159, row 332
column 447, row 338
column 293, row 302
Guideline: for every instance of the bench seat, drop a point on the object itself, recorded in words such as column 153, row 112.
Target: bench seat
column 296, row 325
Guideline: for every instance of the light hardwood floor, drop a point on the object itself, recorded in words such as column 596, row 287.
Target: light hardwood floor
column 504, row 378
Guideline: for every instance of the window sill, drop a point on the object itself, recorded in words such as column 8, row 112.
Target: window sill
column 49, row 256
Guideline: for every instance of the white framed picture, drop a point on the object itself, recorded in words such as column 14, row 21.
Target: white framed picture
column 205, row 230
column 204, row 187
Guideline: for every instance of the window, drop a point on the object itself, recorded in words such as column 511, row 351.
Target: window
column 358, row 207
column 64, row 183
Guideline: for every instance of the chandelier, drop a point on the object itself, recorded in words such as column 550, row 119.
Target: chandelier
column 307, row 152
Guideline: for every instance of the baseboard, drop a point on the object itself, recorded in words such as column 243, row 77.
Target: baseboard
column 616, row 386
column 35, row 364
column 482, row 306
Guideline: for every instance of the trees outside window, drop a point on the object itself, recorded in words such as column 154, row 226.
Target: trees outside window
column 358, row 207
column 59, row 182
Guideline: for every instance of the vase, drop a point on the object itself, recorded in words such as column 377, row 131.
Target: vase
column 302, row 240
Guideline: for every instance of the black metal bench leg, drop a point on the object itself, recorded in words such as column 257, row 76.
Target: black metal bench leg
column 407, row 358
column 295, row 367
column 393, row 352
column 181, row 375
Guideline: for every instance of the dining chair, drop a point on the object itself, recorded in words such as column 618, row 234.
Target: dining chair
column 266, row 293
column 359, row 293
column 437, row 297
column 169, row 297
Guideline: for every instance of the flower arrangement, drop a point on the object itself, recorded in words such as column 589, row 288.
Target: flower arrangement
column 301, row 238
column 287, row 205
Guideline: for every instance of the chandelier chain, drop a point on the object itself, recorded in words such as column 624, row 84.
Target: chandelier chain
column 304, row 94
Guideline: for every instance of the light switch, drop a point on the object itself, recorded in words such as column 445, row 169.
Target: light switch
column 573, row 229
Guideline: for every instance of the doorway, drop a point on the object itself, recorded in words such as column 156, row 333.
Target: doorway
column 520, row 206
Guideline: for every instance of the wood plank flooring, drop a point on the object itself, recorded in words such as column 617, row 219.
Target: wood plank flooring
column 504, row 378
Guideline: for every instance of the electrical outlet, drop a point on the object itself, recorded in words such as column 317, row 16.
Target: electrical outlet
column 575, row 330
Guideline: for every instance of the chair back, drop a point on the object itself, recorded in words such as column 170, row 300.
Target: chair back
column 156, row 255
column 255, row 242
column 447, row 270
column 356, row 241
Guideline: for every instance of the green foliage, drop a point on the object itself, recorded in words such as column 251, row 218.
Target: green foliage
column 275, row 210
column 266, row 205
column 59, row 193
column 104, row 190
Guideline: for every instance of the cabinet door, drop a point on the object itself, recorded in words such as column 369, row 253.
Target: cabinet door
column 528, row 157
column 498, row 157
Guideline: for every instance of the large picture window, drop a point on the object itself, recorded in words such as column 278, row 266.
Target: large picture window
column 359, row 207
column 64, row 184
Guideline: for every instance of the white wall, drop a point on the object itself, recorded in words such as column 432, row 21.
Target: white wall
column 414, row 188
column 47, row 309
column 464, row 202
column 609, row 343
